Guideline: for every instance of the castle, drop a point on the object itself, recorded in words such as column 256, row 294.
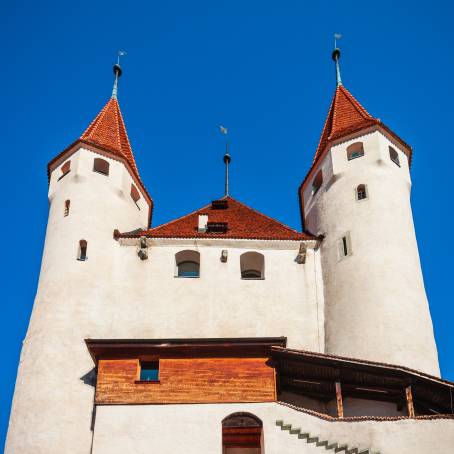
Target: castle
column 225, row 331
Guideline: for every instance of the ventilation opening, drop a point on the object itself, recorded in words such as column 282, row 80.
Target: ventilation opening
column 219, row 204
column 345, row 247
column 67, row 204
column 217, row 227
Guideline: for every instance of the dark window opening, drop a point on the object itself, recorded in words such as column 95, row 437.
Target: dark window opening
column 361, row 192
column 135, row 195
column 344, row 245
column 217, row 227
column 188, row 269
column 219, row 204
column 394, row 156
column 82, row 250
column 149, row 371
column 67, row 204
column 101, row 166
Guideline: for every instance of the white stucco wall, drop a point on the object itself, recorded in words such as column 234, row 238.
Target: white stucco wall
column 168, row 429
column 114, row 294
column 376, row 306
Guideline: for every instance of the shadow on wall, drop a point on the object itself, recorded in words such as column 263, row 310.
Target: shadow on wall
column 89, row 378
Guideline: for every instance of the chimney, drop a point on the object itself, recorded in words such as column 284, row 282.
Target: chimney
column 203, row 221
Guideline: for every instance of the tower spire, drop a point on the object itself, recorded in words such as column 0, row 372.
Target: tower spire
column 336, row 56
column 226, row 159
column 117, row 71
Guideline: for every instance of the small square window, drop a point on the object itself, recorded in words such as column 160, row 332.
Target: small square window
column 149, row 371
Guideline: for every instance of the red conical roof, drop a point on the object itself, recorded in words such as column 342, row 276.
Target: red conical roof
column 108, row 131
column 346, row 115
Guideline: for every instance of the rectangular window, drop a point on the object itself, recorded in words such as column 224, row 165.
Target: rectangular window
column 149, row 371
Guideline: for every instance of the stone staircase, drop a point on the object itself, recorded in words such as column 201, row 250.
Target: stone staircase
column 320, row 443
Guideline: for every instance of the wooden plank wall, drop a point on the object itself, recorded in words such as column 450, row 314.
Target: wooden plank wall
column 187, row 380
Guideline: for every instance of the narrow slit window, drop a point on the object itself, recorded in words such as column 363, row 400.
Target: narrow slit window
column 67, row 204
column 345, row 248
column 355, row 150
column 82, row 256
column 394, row 156
column 101, row 166
column 149, row 371
column 361, row 192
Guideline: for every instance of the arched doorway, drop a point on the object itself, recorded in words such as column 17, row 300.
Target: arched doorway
column 242, row 433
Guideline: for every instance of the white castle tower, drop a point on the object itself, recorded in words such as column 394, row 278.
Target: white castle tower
column 94, row 187
column 224, row 330
column 357, row 195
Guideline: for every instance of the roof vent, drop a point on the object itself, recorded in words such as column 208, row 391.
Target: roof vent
column 216, row 227
column 219, row 204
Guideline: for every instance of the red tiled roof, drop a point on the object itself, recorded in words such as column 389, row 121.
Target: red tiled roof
column 242, row 223
column 108, row 130
column 346, row 116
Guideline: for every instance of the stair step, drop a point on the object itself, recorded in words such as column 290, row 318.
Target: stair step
column 295, row 431
column 279, row 422
column 341, row 448
column 352, row 451
column 364, row 451
column 312, row 439
column 322, row 443
column 304, row 435
column 332, row 446
column 286, row 427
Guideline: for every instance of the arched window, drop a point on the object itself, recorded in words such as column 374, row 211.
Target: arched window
column 101, row 166
column 65, row 169
column 361, row 192
column 252, row 265
column 82, row 256
column 67, row 204
column 394, row 156
column 355, row 150
column 187, row 264
column 242, row 433
column 317, row 183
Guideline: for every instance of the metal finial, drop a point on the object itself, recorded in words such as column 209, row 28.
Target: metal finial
column 336, row 56
column 117, row 71
column 226, row 159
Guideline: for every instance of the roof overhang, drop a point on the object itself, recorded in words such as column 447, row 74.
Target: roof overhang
column 190, row 347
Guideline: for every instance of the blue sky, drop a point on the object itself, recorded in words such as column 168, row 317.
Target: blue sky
column 262, row 68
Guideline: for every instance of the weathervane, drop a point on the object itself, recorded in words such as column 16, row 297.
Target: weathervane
column 226, row 158
column 117, row 71
column 336, row 56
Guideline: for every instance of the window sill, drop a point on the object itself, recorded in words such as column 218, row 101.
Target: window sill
column 64, row 175
column 187, row 277
column 148, row 382
column 252, row 278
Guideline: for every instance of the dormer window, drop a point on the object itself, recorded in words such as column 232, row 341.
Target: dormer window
column 217, row 227
column 355, row 150
column 101, row 166
column 394, row 156
column 317, row 183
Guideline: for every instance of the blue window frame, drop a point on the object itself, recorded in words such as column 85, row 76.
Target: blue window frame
column 149, row 371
